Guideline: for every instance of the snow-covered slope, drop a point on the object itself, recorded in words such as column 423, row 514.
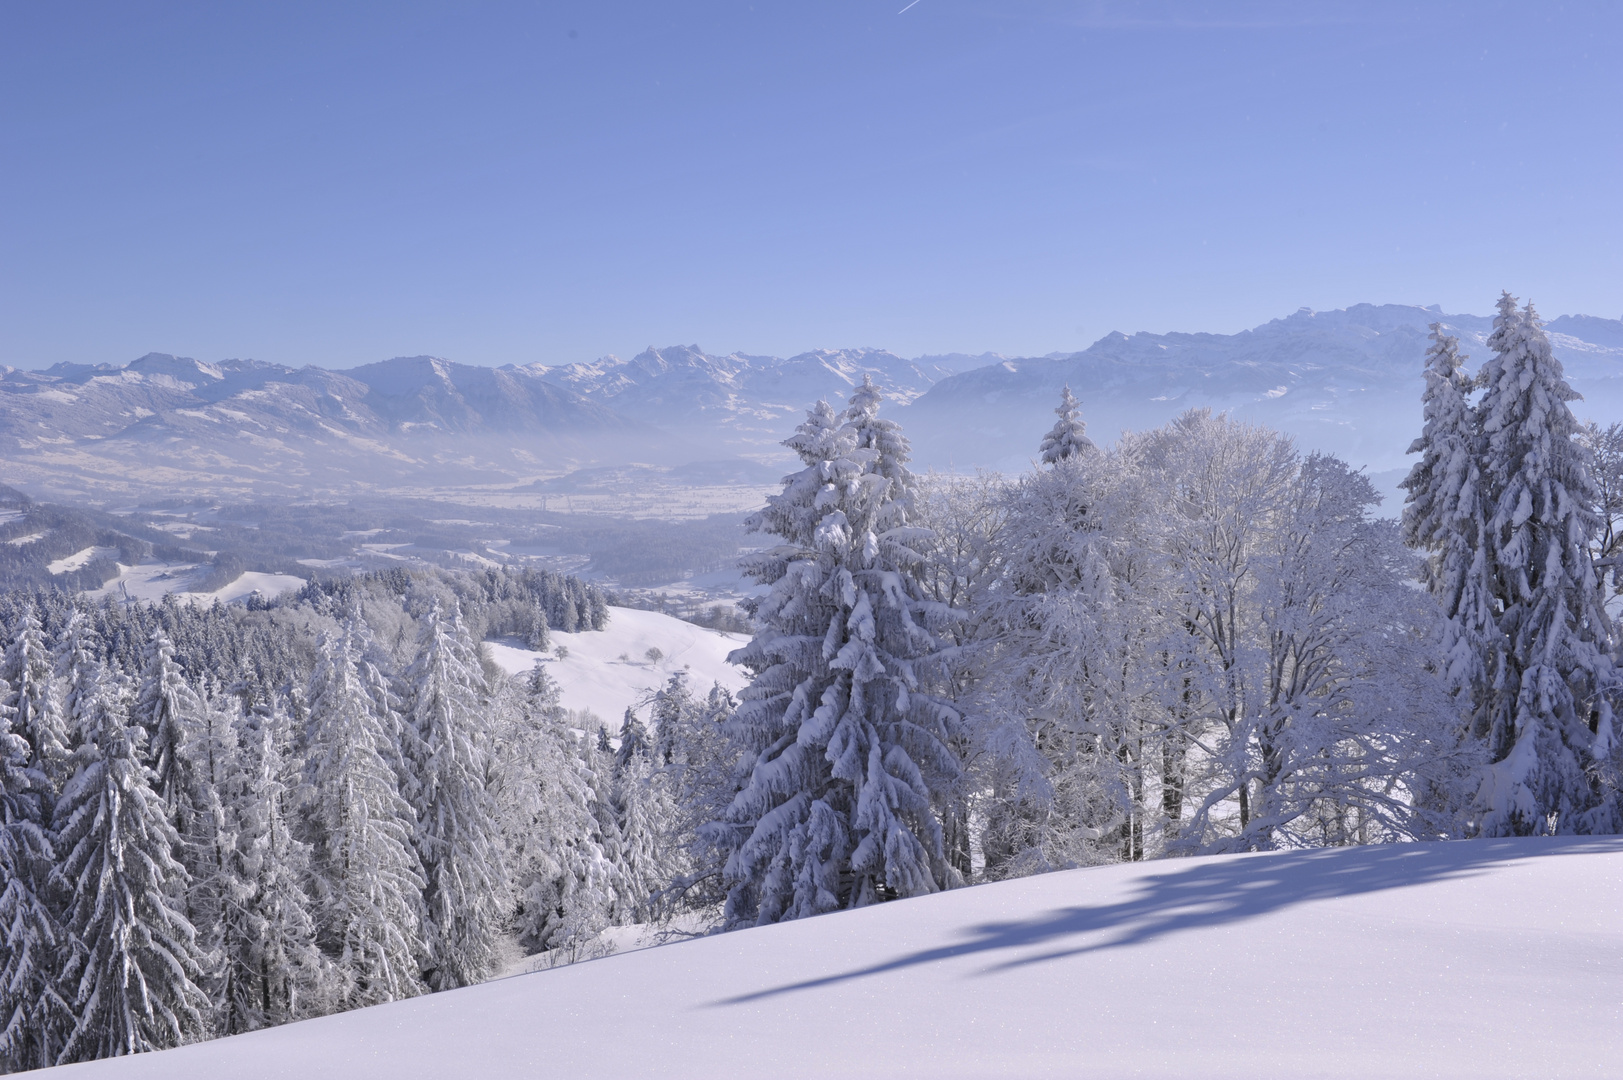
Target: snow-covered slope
column 1472, row 959
column 608, row 670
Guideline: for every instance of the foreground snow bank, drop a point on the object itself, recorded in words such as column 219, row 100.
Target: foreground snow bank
column 1469, row 959
column 593, row 676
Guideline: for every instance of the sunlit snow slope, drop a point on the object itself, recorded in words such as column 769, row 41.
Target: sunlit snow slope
column 593, row 676
column 1469, row 959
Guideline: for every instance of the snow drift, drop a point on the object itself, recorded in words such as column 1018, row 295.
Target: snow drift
column 1465, row 959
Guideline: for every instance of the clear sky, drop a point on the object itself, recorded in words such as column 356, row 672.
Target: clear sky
column 338, row 183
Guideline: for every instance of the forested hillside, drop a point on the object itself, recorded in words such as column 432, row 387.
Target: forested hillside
column 1196, row 640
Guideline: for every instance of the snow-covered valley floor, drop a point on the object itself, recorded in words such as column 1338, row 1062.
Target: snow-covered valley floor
column 1499, row 958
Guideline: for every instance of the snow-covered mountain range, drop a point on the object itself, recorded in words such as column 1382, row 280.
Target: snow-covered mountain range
column 1346, row 381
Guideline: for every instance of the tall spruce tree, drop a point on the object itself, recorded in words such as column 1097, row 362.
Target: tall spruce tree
column 367, row 876
column 33, row 1015
column 837, row 812
column 562, row 877
column 272, row 970
column 1548, row 716
column 1445, row 515
column 457, row 837
column 165, row 707
column 135, row 966
column 36, row 710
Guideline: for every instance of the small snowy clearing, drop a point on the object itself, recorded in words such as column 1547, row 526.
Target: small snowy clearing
column 1471, row 959
column 19, row 541
column 79, row 558
column 152, row 581
column 593, row 676
column 267, row 585
column 148, row 581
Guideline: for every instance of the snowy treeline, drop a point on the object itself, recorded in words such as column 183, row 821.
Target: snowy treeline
column 1197, row 640
column 220, row 819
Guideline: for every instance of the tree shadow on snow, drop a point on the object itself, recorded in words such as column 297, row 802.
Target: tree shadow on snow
column 1202, row 893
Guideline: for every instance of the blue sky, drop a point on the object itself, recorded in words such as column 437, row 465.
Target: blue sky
column 339, row 183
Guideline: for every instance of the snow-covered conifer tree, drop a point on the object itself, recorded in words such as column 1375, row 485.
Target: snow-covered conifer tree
column 1548, row 714
column 838, row 809
column 33, row 1016
column 563, row 879
column 457, row 837
column 1445, row 516
column 1068, row 437
column 135, row 965
column 165, row 708
column 634, row 738
column 540, row 637
column 649, row 861
column 367, row 876
column 37, row 714
column 76, row 662
column 272, row 970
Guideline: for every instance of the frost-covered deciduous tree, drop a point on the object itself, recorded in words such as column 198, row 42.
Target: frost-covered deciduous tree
column 457, row 837
column 1068, row 437
column 962, row 571
column 1548, row 715
column 366, row 874
column 1070, row 621
column 135, row 963
column 849, row 750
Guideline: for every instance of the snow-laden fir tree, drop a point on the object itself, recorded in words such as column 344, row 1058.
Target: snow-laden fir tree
column 1068, row 437
column 33, row 1016
column 1445, row 515
column 838, row 812
column 165, row 707
column 367, row 876
column 598, row 755
column 457, row 837
column 37, row 714
column 649, row 860
column 563, row 879
column 700, row 766
column 539, row 637
column 272, row 970
column 634, row 739
column 76, row 662
column 135, row 965
column 207, row 781
column 1548, row 713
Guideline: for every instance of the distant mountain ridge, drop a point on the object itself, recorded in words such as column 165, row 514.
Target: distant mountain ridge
column 1346, row 381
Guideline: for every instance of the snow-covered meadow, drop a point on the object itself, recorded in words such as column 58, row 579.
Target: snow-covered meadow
column 608, row 671
column 1475, row 959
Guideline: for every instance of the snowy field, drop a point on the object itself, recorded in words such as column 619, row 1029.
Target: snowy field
column 607, row 671
column 1499, row 958
column 151, row 581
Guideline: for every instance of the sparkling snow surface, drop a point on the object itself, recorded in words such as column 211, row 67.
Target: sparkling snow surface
column 1470, row 959
column 594, row 677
